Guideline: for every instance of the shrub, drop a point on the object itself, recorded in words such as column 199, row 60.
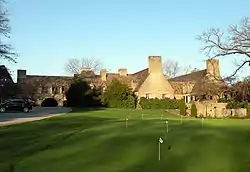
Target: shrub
column 234, row 105
column 223, row 100
column 80, row 94
column 119, row 95
column 49, row 102
column 156, row 103
column 182, row 107
column 193, row 110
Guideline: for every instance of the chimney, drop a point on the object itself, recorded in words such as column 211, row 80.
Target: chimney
column 155, row 64
column 213, row 67
column 122, row 72
column 103, row 74
column 21, row 74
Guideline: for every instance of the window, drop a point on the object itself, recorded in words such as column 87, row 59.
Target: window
column 54, row 89
column 147, row 96
column 225, row 96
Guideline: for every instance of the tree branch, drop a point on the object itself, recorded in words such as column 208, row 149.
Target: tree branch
column 236, row 42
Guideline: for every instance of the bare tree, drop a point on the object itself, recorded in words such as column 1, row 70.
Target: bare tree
column 172, row 68
column 5, row 49
column 235, row 42
column 240, row 91
column 75, row 66
column 187, row 69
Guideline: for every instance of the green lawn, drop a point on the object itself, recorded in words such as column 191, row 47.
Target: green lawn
column 98, row 141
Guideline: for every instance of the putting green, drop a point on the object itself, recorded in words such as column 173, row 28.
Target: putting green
column 98, row 140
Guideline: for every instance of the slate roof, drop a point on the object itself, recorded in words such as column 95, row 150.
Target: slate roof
column 194, row 77
column 4, row 74
column 191, row 77
column 140, row 77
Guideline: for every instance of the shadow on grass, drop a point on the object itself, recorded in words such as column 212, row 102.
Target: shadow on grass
column 81, row 110
column 22, row 141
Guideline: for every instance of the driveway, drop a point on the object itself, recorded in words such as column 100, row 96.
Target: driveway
column 37, row 113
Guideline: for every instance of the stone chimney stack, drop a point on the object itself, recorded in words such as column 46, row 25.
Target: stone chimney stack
column 155, row 64
column 103, row 74
column 213, row 68
column 21, row 74
column 122, row 72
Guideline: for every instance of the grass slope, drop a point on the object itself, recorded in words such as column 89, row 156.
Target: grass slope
column 93, row 141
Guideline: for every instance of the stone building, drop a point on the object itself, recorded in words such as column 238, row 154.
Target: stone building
column 149, row 82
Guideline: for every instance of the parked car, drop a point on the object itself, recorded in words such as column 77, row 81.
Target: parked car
column 16, row 105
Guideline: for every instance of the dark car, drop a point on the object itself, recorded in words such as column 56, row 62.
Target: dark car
column 16, row 105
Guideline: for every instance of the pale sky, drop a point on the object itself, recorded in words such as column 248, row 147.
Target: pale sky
column 122, row 34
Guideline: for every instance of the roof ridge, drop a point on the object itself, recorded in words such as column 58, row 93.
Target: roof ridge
column 190, row 73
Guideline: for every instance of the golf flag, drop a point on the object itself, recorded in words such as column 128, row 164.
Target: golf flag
column 161, row 140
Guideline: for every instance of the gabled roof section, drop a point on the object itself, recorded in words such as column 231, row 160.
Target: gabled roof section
column 140, row 77
column 5, row 75
column 191, row 77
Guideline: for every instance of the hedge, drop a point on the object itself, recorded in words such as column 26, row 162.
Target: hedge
column 156, row 103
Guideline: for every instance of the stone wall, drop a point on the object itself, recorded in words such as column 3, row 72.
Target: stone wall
column 216, row 110
column 241, row 112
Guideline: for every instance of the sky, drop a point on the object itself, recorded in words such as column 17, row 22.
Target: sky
column 121, row 33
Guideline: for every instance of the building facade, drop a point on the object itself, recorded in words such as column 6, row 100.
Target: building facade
column 149, row 82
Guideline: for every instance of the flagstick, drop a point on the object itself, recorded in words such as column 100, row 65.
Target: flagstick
column 126, row 122
column 167, row 125
column 160, row 142
column 159, row 151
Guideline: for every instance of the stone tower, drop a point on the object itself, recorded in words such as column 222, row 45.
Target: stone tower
column 123, row 72
column 21, row 74
column 213, row 68
column 156, row 84
column 103, row 74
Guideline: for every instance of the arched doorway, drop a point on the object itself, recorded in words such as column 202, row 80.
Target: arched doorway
column 49, row 102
